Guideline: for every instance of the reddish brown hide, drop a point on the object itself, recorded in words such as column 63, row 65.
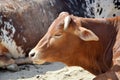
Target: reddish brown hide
column 4, row 60
column 90, row 43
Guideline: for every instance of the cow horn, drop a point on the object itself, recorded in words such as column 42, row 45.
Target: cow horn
column 66, row 22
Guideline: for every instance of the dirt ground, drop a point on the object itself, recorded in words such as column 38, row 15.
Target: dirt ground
column 53, row 71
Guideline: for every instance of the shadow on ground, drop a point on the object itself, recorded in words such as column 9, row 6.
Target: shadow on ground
column 28, row 71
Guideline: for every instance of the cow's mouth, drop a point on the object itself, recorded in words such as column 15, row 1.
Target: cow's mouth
column 38, row 61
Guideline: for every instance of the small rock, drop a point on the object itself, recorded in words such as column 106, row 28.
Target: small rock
column 37, row 76
column 22, row 77
column 13, row 67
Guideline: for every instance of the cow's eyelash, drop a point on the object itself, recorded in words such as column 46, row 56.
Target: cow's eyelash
column 58, row 34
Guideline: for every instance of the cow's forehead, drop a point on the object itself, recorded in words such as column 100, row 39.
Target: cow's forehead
column 57, row 24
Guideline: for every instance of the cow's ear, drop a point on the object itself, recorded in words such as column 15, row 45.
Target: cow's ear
column 86, row 34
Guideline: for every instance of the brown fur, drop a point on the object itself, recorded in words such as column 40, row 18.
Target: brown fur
column 3, row 50
column 4, row 59
column 65, row 46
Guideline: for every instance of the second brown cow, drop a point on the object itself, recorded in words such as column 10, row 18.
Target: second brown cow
column 90, row 43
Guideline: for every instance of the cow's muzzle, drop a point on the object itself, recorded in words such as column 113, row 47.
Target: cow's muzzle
column 35, row 57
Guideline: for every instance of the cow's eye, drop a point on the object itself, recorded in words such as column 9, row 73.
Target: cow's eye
column 58, row 35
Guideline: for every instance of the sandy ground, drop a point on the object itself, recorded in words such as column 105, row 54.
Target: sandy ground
column 53, row 71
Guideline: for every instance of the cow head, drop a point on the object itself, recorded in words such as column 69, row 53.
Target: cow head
column 65, row 41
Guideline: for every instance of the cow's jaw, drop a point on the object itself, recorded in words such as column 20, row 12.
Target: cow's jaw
column 38, row 61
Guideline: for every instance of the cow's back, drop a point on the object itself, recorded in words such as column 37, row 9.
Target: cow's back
column 23, row 23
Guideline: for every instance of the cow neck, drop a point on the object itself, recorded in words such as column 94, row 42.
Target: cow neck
column 88, row 59
column 104, row 61
column 94, row 58
column 108, row 54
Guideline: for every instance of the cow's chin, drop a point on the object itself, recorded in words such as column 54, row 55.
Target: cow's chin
column 38, row 62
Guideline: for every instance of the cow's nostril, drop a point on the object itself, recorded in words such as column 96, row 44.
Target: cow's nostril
column 32, row 54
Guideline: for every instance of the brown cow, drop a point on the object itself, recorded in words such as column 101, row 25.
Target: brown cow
column 90, row 43
column 20, row 21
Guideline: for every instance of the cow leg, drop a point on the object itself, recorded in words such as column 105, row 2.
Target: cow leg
column 12, row 64
column 113, row 73
column 5, row 60
column 8, row 63
column 110, row 75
